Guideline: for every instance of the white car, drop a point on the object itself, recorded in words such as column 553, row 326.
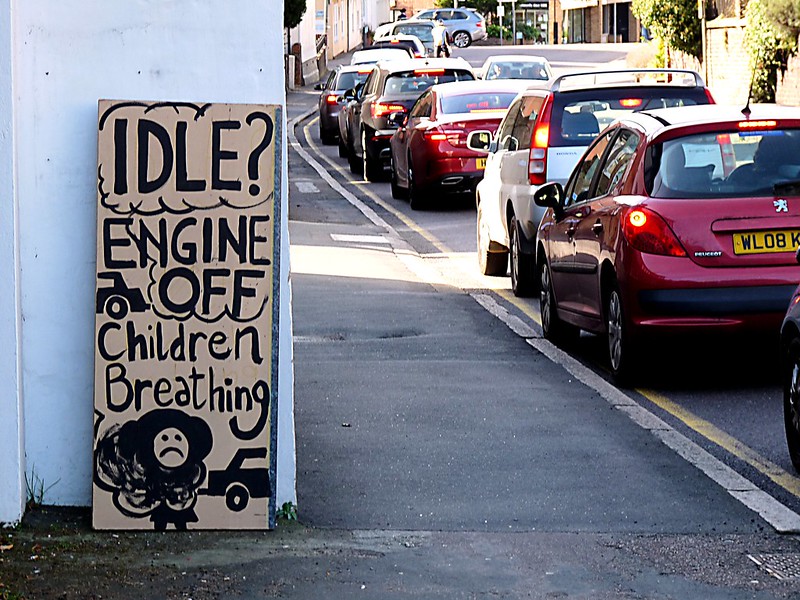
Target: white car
column 516, row 66
column 370, row 57
column 432, row 34
column 543, row 135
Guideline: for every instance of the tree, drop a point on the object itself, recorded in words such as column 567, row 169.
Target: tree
column 674, row 21
column 484, row 7
column 769, row 43
column 785, row 15
column 293, row 11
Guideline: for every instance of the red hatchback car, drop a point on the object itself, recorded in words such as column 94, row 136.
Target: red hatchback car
column 679, row 220
column 429, row 149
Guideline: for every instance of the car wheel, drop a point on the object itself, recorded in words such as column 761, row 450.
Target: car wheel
column 523, row 273
column 489, row 263
column 791, row 400
column 417, row 197
column 370, row 168
column 621, row 346
column 342, row 148
column 237, row 497
column 326, row 137
column 553, row 328
column 398, row 193
column 352, row 160
column 461, row 39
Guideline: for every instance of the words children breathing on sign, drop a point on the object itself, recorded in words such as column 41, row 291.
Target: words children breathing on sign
column 187, row 301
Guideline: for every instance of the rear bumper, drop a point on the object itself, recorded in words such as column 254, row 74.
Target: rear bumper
column 452, row 174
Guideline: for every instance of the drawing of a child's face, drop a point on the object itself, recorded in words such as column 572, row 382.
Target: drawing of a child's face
column 171, row 447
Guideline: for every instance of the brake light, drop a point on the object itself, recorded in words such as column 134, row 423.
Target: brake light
column 331, row 98
column 381, row 110
column 630, row 102
column 710, row 97
column 537, row 157
column 479, row 24
column 365, row 71
column 428, row 71
column 453, row 137
column 647, row 232
column 757, row 124
column 435, row 135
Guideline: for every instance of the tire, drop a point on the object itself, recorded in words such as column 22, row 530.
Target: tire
column 622, row 351
column 553, row 328
column 326, row 137
column 237, row 497
column 116, row 307
column 489, row 263
column 398, row 193
column 417, row 198
column 523, row 271
column 371, row 168
column 462, row 39
column 791, row 400
column 342, row 149
column 353, row 161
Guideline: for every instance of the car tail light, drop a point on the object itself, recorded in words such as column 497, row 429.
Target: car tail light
column 454, row 137
column 710, row 97
column 647, row 232
column 379, row 109
column 757, row 125
column 537, row 157
column 428, row 71
column 331, row 98
column 479, row 24
column 630, row 102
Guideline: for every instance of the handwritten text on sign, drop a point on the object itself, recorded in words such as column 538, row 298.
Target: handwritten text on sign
column 186, row 350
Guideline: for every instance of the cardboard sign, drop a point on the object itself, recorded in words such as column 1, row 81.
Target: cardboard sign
column 186, row 360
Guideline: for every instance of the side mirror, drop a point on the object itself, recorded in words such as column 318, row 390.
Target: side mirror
column 550, row 195
column 397, row 119
column 480, row 140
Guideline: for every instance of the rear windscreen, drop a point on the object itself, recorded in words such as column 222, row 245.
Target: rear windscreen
column 349, row 80
column 725, row 164
column 517, row 70
column 579, row 116
column 420, row 80
column 424, row 33
column 477, row 102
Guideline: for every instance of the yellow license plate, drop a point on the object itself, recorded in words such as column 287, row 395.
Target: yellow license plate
column 762, row 242
column 480, row 163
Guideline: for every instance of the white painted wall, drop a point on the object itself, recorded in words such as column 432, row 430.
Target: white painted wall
column 67, row 54
column 12, row 491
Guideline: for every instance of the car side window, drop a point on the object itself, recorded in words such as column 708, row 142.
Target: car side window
column 616, row 163
column 580, row 183
column 525, row 120
column 459, row 15
column 422, row 107
column 444, row 15
column 329, row 84
column 505, row 138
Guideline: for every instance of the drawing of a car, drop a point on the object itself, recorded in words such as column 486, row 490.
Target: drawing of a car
column 239, row 484
column 116, row 300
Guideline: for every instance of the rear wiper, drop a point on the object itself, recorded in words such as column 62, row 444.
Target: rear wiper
column 787, row 187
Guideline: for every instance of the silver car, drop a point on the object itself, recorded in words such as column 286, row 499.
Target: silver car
column 464, row 25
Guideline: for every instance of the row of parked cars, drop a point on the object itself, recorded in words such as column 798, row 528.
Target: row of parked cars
column 633, row 205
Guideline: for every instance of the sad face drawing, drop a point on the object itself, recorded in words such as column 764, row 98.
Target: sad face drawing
column 153, row 466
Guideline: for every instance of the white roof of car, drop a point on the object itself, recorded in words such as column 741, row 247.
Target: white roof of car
column 373, row 55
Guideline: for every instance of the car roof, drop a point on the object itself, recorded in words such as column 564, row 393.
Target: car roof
column 377, row 53
column 653, row 121
column 412, row 64
column 626, row 78
column 514, row 58
column 479, row 85
column 354, row 68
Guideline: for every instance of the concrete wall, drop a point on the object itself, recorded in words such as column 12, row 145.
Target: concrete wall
column 67, row 54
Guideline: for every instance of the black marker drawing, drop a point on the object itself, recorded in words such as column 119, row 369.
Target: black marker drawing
column 154, row 466
column 118, row 299
column 239, row 484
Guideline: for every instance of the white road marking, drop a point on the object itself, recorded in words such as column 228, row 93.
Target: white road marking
column 360, row 239
column 306, row 187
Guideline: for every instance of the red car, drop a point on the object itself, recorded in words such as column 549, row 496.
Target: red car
column 429, row 149
column 674, row 221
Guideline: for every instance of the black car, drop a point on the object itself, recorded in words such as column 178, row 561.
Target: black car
column 790, row 375
column 392, row 87
column 330, row 100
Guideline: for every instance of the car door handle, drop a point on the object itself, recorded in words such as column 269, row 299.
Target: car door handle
column 597, row 228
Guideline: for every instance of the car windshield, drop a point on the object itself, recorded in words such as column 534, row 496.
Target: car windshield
column 725, row 164
column 422, row 31
column 580, row 116
column 419, row 80
column 517, row 70
column 477, row 102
